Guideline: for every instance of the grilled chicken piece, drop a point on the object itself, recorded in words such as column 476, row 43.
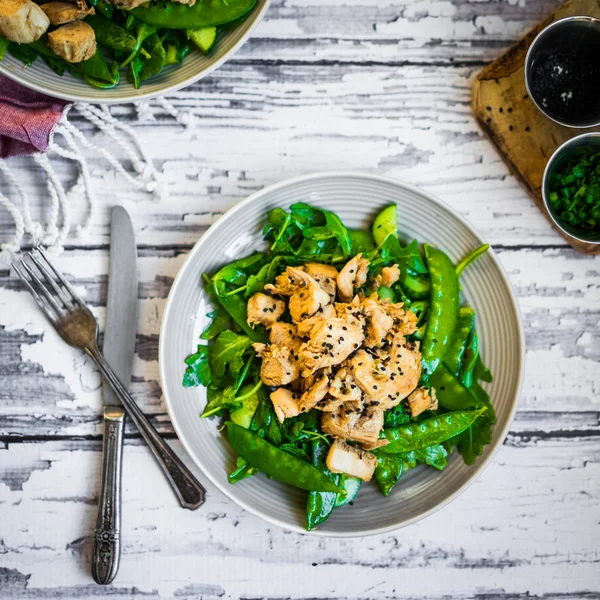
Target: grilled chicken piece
column 390, row 379
column 379, row 322
column 278, row 366
column 330, row 343
column 306, row 295
column 285, row 404
column 325, row 276
column 188, row 2
column 353, row 421
column 306, row 326
column 405, row 321
column 378, row 444
column 314, row 394
column 353, row 275
column 329, row 404
column 389, row 275
column 75, row 41
column 343, row 387
column 284, row 334
column 264, row 310
column 421, row 400
column 22, row 21
column 60, row 13
column 343, row 458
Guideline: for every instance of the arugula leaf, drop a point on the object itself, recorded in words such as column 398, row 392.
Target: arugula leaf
column 228, row 351
column 219, row 399
column 198, row 371
column 220, row 322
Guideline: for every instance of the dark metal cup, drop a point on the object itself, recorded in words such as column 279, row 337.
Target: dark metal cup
column 579, row 33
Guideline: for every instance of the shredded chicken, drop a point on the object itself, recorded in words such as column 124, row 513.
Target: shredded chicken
column 343, row 387
column 306, row 326
column 325, row 276
column 22, row 21
column 343, row 458
column 389, row 275
column 60, row 13
column 343, row 354
column 75, row 41
column 352, row 421
column 353, row 275
column 278, row 366
column 330, row 343
column 314, row 394
column 285, row 404
column 264, row 310
column 421, row 400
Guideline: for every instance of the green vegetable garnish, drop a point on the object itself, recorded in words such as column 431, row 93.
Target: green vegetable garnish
column 575, row 194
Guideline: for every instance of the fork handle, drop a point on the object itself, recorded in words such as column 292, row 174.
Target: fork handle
column 107, row 544
column 187, row 488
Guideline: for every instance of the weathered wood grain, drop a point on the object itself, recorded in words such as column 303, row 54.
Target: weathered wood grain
column 258, row 124
column 518, row 518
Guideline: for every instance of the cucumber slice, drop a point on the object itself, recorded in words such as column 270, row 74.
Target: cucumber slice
column 351, row 485
column 204, row 37
column 385, row 224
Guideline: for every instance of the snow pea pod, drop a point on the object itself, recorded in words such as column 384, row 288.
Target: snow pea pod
column 277, row 463
column 388, row 471
column 460, row 339
column 471, row 257
column 203, row 14
column 435, row 430
column 451, row 393
column 443, row 309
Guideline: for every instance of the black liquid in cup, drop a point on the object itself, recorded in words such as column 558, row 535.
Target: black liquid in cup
column 562, row 71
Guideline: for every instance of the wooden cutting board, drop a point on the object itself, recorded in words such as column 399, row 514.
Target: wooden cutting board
column 524, row 137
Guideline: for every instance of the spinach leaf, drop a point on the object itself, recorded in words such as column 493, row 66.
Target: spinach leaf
column 267, row 274
column 198, row 371
column 435, row 456
column 220, row 322
column 394, row 417
column 228, row 351
column 4, row 43
column 362, row 241
column 388, row 471
column 154, row 63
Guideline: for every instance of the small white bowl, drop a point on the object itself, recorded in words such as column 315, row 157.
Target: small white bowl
column 356, row 198
column 41, row 78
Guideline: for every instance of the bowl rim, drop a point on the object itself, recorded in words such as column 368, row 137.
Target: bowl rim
column 221, row 484
column 553, row 159
column 255, row 17
column 526, row 65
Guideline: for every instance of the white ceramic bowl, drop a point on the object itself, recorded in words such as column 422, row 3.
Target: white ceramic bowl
column 196, row 65
column 356, row 199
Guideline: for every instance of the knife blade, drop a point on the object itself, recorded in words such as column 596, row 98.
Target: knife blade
column 118, row 350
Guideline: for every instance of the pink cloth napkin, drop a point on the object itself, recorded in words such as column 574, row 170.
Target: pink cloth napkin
column 27, row 119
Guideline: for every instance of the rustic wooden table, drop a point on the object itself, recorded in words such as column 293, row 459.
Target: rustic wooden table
column 323, row 84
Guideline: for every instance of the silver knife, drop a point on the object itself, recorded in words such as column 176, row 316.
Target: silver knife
column 118, row 349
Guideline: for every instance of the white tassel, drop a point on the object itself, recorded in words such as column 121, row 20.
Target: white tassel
column 8, row 249
column 185, row 117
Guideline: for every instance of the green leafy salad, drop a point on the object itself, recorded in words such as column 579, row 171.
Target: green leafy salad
column 340, row 356
column 97, row 40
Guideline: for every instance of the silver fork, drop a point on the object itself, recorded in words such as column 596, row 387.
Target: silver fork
column 75, row 323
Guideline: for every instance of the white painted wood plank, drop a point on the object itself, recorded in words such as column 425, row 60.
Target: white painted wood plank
column 259, row 124
column 527, row 526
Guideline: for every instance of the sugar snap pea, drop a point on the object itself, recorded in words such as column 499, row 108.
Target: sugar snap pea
column 435, row 430
column 319, row 505
column 443, row 308
column 460, row 339
column 451, row 393
column 277, row 463
column 202, row 14
column 469, row 360
column 388, row 471
column 470, row 258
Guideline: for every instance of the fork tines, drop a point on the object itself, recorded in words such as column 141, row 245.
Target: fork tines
column 48, row 286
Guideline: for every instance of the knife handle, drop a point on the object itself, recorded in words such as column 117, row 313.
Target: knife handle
column 187, row 488
column 107, row 544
